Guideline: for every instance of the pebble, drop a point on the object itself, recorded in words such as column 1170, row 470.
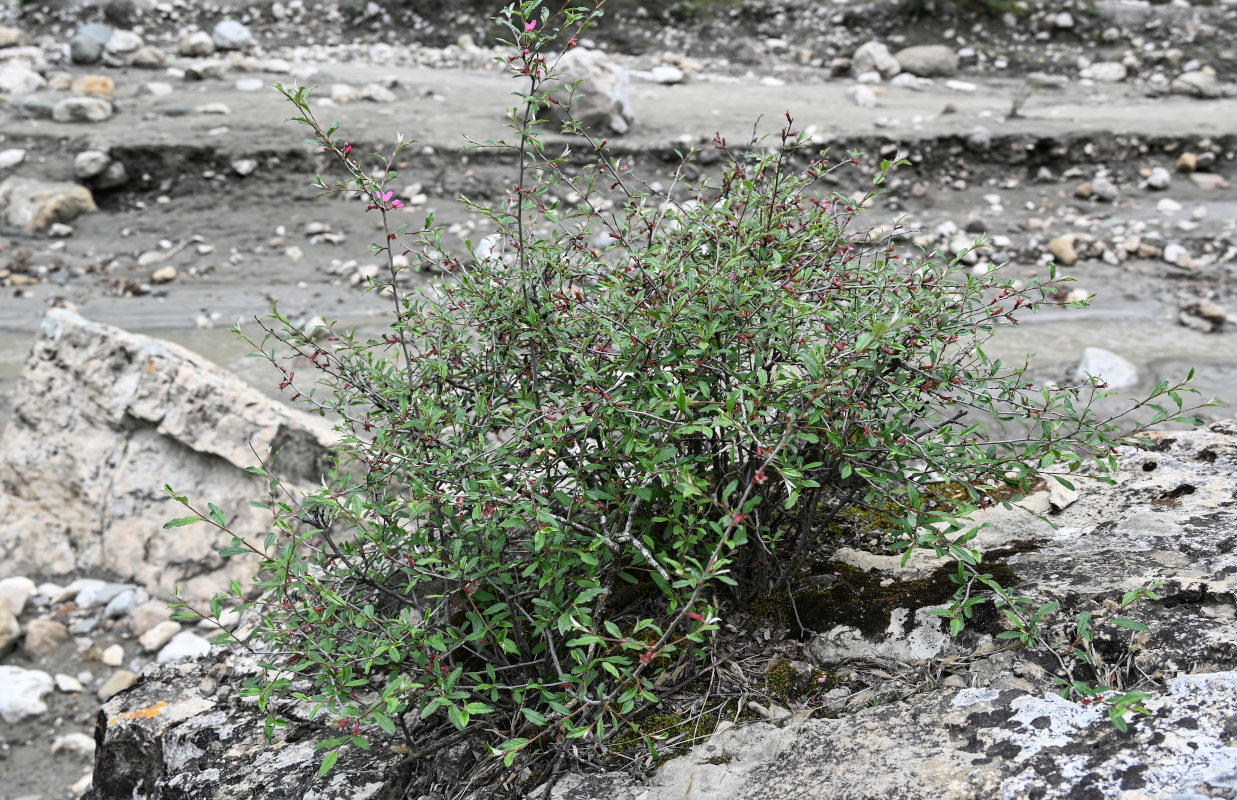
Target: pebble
column 862, row 96
column 17, row 590
column 344, row 93
column 229, row 34
column 195, row 44
column 1175, row 254
column 60, row 230
column 10, row 628
column 1187, row 162
column 214, row 108
column 11, row 157
column 928, row 61
column 89, row 164
column 962, row 86
column 67, row 683
column 1197, row 83
column 206, row 70
column 123, row 604
column 147, row 616
column 159, row 635
column 906, row 80
column 1105, row 72
column 100, row 33
column 1208, row 181
column 250, row 85
column 1211, row 311
column 667, row 74
column 164, row 275
column 377, row 93
column 21, row 693
column 1102, row 188
column 113, row 656
column 121, row 679
column 150, row 58
column 1158, row 179
column 82, row 109
column 159, row 88
column 43, row 635
column 76, row 743
column 18, row 78
column 115, row 175
column 123, row 43
column 85, row 49
column 1167, row 205
column 244, row 166
column 874, row 56
column 184, row 646
column 98, row 593
column 1195, row 322
column 1062, row 249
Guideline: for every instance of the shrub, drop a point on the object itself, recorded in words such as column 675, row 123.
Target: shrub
column 567, row 456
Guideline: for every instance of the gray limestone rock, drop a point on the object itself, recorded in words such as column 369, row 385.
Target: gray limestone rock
column 103, row 418
column 163, row 741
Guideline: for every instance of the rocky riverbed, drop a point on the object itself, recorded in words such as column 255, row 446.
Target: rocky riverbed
column 147, row 180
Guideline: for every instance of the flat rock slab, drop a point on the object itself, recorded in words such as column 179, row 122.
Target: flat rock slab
column 973, row 743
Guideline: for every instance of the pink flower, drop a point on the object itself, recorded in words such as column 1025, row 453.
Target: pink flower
column 396, row 204
column 347, row 148
column 528, row 26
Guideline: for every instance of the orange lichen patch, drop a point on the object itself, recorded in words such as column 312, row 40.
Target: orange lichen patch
column 141, row 713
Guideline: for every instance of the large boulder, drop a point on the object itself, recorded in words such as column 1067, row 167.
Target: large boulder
column 595, row 90
column 102, row 420
column 987, row 724
column 33, row 205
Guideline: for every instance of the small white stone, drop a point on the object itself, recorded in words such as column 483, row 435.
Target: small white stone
column 113, row 656
column 164, row 275
column 21, row 693
column 158, row 636
column 11, row 158
column 76, row 743
column 67, row 683
column 185, row 646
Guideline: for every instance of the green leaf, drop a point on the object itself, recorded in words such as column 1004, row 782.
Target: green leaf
column 217, row 515
column 180, row 522
column 328, row 763
column 1133, row 625
column 384, row 722
column 534, row 717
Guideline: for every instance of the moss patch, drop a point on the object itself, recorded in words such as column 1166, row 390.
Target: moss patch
column 790, row 683
column 865, row 600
